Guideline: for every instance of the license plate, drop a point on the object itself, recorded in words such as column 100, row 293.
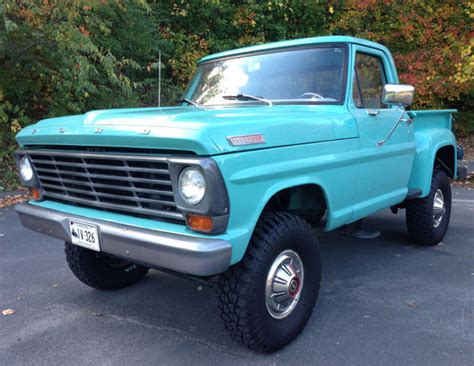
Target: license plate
column 84, row 235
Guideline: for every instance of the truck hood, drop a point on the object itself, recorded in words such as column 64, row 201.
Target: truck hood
column 191, row 129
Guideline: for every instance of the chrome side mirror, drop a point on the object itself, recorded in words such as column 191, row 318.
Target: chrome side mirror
column 398, row 94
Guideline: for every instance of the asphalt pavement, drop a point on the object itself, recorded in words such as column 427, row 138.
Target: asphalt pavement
column 382, row 302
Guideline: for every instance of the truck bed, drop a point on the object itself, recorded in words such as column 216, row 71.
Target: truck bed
column 432, row 118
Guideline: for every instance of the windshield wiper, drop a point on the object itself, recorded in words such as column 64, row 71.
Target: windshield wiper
column 247, row 97
column 184, row 100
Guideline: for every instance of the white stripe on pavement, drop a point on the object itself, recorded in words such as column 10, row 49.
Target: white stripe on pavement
column 463, row 201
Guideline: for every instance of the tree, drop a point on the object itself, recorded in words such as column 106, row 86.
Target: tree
column 67, row 57
column 432, row 43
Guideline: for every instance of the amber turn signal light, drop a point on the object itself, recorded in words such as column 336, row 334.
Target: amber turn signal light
column 200, row 223
column 35, row 194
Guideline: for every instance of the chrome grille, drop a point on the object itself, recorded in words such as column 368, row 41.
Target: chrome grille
column 136, row 185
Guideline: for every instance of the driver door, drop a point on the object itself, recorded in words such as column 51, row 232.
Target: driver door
column 384, row 170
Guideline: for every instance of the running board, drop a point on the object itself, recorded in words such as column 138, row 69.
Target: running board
column 413, row 193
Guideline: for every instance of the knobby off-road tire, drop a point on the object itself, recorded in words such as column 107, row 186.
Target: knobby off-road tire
column 243, row 297
column 102, row 271
column 425, row 225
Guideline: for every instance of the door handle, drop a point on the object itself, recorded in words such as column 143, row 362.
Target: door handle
column 372, row 112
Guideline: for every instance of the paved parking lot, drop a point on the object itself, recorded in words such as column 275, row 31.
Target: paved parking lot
column 382, row 302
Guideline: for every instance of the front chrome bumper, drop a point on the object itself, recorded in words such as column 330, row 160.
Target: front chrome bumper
column 180, row 253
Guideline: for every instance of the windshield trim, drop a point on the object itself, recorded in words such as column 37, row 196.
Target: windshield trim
column 341, row 101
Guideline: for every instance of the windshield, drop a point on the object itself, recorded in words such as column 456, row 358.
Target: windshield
column 310, row 75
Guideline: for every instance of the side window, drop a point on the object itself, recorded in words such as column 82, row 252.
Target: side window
column 370, row 79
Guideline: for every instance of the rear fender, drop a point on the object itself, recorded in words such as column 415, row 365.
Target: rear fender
column 428, row 144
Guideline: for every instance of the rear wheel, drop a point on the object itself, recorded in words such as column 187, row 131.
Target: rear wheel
column 100, row 270
column 267, row 298
column 428, row 218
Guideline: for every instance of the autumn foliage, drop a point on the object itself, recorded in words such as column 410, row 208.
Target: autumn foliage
column 62, row 57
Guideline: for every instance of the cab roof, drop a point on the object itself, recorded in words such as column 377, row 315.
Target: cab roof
column 296, row 43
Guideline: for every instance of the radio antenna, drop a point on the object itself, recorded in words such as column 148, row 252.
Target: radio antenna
column 159, row 78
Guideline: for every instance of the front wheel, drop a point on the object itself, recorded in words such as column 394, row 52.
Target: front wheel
column 428, row 218
column 100, row 270
column 267, row 298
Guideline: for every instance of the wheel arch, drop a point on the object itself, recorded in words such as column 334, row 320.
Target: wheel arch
column 434, row 150
column 271, row 195
column 445, row 159
column 299, row 197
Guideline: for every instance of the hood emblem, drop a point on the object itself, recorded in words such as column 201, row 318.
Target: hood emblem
column 240, row 140
column 61, row 130
column 99, row 130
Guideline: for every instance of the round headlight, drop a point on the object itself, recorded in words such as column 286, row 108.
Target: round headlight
column 26, row 171
column 192, row 185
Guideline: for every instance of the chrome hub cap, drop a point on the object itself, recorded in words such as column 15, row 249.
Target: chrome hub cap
column 284, row 284
column 439, row 208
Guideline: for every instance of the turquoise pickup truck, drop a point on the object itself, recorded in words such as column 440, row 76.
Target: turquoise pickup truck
column 266, row 140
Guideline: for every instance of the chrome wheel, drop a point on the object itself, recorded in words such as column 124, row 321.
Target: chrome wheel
column 284, row 284
column 439, row 208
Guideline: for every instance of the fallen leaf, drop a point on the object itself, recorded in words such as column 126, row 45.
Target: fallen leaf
column 13, row 200
column 412, row 305
column 84, row 31
column 8, row 312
